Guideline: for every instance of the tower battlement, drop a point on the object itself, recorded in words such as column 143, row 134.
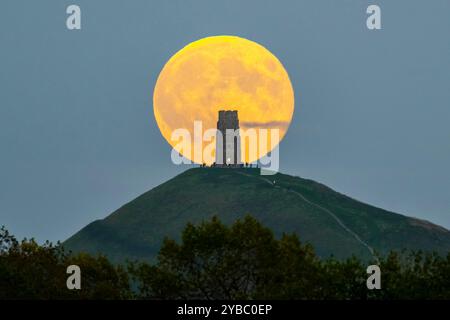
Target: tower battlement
column 228, row 119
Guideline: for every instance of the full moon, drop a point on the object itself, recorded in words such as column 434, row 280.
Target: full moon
column 223, row 73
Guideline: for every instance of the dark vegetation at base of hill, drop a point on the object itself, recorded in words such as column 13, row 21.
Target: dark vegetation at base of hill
column 216, row 261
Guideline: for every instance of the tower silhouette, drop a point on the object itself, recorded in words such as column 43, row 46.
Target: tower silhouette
column 228, row 153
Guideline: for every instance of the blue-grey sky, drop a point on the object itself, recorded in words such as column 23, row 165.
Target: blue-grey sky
column 78, row 138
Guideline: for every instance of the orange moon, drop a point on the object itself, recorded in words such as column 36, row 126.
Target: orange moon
column 223, row 73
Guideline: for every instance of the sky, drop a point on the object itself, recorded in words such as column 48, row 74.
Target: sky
column 78, row 138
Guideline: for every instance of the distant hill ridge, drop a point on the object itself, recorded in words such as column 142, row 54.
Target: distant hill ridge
column 332, row 222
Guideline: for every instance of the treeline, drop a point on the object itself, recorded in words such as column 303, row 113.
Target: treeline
column 215, row 261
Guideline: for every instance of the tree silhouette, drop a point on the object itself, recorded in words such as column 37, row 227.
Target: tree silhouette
column 217, row 261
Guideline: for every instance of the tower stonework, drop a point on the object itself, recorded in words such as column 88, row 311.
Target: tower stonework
column 229, row 152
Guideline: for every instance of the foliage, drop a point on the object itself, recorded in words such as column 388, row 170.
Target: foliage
column 217, row 261
column 32, row 271
column 245, row 261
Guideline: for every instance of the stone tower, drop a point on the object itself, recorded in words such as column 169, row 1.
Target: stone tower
column 229, row 153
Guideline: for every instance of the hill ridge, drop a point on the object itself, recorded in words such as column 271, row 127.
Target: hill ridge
column 339, row 221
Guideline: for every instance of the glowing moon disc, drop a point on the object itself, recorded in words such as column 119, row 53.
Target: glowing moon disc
column 223, row 73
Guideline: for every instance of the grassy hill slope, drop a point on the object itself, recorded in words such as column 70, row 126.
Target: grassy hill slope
column 333, row 223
